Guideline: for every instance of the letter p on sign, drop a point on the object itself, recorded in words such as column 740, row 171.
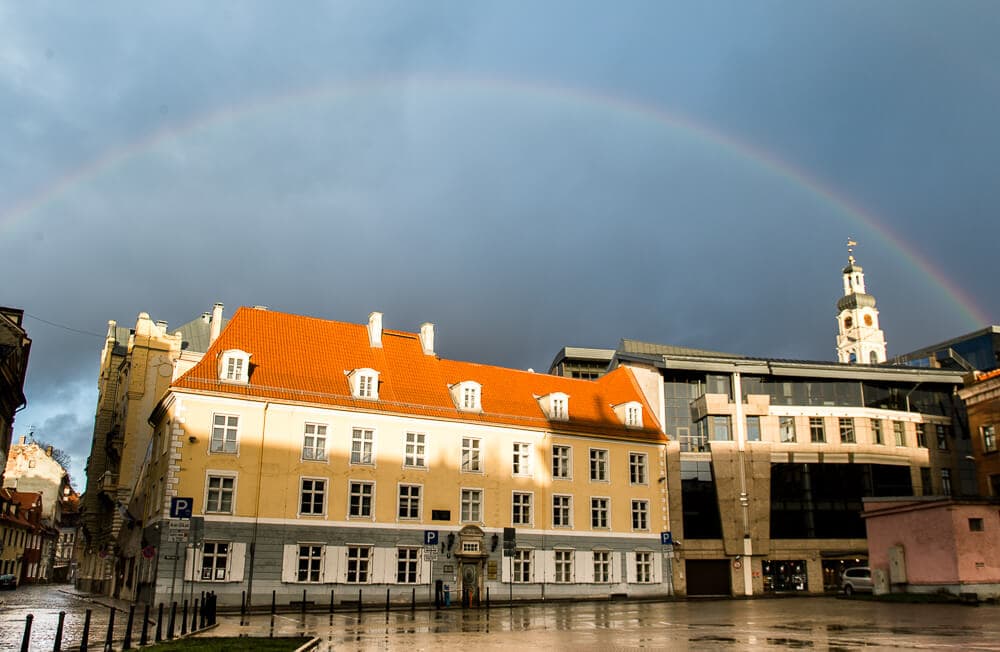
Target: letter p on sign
column 181, row 507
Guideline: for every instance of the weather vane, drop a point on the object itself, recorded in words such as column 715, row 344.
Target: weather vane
column 851, row 244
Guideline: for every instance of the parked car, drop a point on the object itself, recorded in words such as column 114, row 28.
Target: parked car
column 857, row 580
column 8, row 582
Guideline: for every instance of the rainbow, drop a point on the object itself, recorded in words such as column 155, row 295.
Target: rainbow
column 704, row 134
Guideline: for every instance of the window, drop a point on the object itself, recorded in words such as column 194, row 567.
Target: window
column 472, row 502
column 310, row 562
column 521, row 509
column 786, row 425
column 946, row 482
column 313, row 494
column 599, row 464
column 976, row 525
column 633, row 416
column 362, row 445
column 224, row 433
column 467, row 396
column 561, row 462
column 415, row 450
column 564, row 566
column 602, row 566
column 899, row 432
column 637, row 468
column 877, row 435
column 314, row 442
column 358, row 564
column 599, row 513
column 561, row 511
column 847, row 431
column 470, row 455
column 925, row 481
column 753, row 428
column 640, row 515
column 364, row 383
column 989, row 438
column 720, row 429
column 214, row 561
column 817, row 431
column 470, row 397
column 409, row 501
column 234, row 368
column 921, row 435
column 360, row 500
column 219, row 496
column 942, row 437
column 522, row 566
column 559, row 409
column 643, row 567
column 406, row 565
column 522, row 459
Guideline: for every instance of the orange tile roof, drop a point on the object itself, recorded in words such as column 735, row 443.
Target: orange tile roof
column 305, row 359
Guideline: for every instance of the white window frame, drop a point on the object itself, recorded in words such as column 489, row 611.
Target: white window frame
column 629, row 413
column 318, row 448
column 358, row 559
column 595, row 510
column 410, row 499
column 846, row 427
column 640, row 515
column 899, row 434
column 564, row 510
column 222, row 475
column 786, row 429
column 409, row 566
column 313, row 492
column 467, row 396
column 521, row 501
column 523, row 566
column 600, row 463
column 214, row 568
column 227, row 427
column 521, row 455
column 472, row 455
column 367, row 436
column 602, row 560
column 562, row 465
column 364, row 383
column 563, row 561
column 643, row 567
column 817, row 430
column 234, row 366
column 988, row 433
column 480, row 495
column 415, row 450
column 638, row 468
column 361, row 516
column 310, row 557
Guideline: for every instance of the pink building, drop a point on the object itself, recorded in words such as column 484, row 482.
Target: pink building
column 934, row 544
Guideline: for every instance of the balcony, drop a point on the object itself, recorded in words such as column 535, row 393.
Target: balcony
column 108, row 482
column 113, row 441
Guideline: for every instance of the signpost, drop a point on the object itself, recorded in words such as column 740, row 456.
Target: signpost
column 667, row 541
column 509, row 544
column 178, row 528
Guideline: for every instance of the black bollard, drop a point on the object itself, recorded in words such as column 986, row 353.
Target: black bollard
column 331, row 600
column 26, row 639
column 487, row 598
column 159, row 625
column 57, row 646
column 204, row 611
column 303, row 603
column 194, row 616
column 273, row 599
column 359, row 600
column 144, row 636
column 212, row 598
column 127, row 643
column 173, row 619
column 413, row 599
column 387, row 599
column 111, row 631
column 184, row 618
column 85, row 637
column 243, row 607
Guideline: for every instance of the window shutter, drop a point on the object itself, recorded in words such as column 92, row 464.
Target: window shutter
column 583, row 561
column 237, row 561
column 192, row 561
column 505, row 564
column 424, row 573
column 616, row 567
column 383, row 566
column 630, row 567
column 290, row 562
column 331, row 564
column 547, row 566
column 341, row 563
column 657, row 568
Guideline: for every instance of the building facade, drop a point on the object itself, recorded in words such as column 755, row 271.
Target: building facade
column 14, row 349
column 982, row 403
column 329, row 457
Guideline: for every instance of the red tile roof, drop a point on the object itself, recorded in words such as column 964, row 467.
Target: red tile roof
column 306, row 360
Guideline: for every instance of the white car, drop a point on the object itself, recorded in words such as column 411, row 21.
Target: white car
column 857, row 580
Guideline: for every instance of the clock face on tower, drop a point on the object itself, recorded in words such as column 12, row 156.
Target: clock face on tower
column 868, row 320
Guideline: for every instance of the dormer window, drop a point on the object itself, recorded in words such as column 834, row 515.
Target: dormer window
column 630, row 414
column 467, row 396
column 364, row 383
column 234, row 366
column 555, row 406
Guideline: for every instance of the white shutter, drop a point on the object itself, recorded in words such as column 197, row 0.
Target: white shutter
column 584, row 563
column 192, row 563
column 574, row 567
column 237, row 561
column 505, row 567
column 290, row 562
column 657, row 567
column 547, row 566
column 383, row 566
column 331, row 564
column 616, row 567
column 630, row 568
column 425, row 571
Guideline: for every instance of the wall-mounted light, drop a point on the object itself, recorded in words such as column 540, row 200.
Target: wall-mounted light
column 192, row 439
column 451, row 540
column 495, row 541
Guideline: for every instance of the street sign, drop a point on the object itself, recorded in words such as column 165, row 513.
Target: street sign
column 430, row 537
column 181, row 507
column 431, row 553
column 667, row 538
column 177, row 530
column 668, row 551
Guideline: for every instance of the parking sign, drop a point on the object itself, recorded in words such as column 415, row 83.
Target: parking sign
column 430, row 537
column 181, row 507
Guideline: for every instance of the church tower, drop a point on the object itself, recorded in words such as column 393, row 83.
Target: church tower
column 859, row 337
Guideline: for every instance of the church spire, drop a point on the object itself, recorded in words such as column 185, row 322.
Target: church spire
column 859, row 338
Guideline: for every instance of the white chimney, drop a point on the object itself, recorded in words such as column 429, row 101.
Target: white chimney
column 216, row 322
column 375, row 330
column 427, row 338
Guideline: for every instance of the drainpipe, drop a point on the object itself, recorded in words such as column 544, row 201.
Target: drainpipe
column 741, row 444
column 256, row 510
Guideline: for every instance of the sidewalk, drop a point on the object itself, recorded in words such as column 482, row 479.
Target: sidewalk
column 98, row 598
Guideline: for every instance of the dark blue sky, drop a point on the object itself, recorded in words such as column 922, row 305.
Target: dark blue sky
column 525, row 175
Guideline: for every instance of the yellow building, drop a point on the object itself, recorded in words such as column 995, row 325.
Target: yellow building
column 323, row 456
